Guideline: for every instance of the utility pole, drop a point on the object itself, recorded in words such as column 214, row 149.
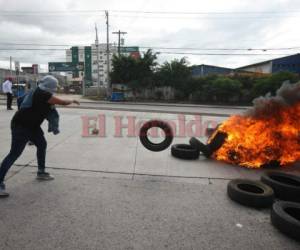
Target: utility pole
column 10, row 65
column 97, row 51
column 83, row 85
column 119, row 40
column 109, row 87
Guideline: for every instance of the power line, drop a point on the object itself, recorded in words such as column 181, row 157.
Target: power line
column 141, row 47
column 40, row 44
column 161, row 52
column 7, row 49
column 219, row 54
column 206, row 17
column 229, row 49
column 49, row 13
column 206, row 12
column 149, row 12
column 182, row 16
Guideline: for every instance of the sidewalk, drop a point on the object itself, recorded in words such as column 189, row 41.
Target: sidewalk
column 88, row 100
column 155, row 103
column 160, row 108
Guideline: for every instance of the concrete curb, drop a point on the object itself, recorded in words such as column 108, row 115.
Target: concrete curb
column 149, row 111
column 153, row 104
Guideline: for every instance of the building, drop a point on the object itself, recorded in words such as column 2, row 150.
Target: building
column 34, row 69
column 287, row 63
column 205, row 70
column 88, row 55
column 21, row 77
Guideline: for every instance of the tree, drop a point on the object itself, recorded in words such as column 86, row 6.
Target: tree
column 123, row 69
column 175, row 74
column 223, row 89
column 270, row 84
column 136, row 73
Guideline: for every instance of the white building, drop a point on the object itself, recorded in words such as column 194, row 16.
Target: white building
column 92, row 66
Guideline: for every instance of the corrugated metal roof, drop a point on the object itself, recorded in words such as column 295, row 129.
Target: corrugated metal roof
column 264, row 62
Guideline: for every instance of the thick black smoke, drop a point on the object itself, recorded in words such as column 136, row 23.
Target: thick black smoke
column 264, row 106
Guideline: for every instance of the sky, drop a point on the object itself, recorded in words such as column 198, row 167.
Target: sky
column 196, row 27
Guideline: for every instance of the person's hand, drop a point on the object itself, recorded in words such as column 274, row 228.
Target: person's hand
column 76, row 102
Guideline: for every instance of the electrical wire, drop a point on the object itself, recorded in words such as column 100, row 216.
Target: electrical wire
column 159, row 52
column 143, row 47
column 29, row 49
column 207, row 12
column 161, row 14
column 149, row 12
column 218, row 54
column 226, row 49
column 207, row 17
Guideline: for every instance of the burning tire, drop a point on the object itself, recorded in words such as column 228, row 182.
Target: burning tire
column 156, row 146
column 285, row 186
column 285, row 216
column 250, row 193
column 195, row 143
column 210, row 131
column 184, row 151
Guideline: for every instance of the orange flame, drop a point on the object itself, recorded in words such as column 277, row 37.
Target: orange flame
column 254, row 141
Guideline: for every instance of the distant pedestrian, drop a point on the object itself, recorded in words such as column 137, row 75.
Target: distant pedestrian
column 26, row 126
column 7, row 89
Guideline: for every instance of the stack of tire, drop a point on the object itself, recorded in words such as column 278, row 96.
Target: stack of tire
column 278, row 190
column 183, row 151
column 190, row 151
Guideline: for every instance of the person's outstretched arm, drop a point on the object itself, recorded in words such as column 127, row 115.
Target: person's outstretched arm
column 54, row 100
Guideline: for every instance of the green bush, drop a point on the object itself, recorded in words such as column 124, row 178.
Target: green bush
column 143, row 73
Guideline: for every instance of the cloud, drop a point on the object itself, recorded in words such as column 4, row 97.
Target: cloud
column 244, row 30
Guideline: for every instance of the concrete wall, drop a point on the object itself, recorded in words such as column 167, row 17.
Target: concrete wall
column 162, row 93
column 93, row 91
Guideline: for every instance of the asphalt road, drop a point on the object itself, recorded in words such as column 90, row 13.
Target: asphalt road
column 111, row 193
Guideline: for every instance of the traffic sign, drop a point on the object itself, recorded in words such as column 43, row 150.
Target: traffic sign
column 65, row 66
column 129, row 49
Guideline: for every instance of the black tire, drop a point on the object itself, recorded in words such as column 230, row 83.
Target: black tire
column 184, row 151
column 286, row 186
column 250, row 193
column 156, row 147
column 285, row 216
column 210, row 131
column 195, row 143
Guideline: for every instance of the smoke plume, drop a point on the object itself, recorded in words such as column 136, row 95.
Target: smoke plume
column 265, row 106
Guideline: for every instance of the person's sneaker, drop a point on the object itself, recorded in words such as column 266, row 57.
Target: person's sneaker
column 3, row 193
column 44, row 176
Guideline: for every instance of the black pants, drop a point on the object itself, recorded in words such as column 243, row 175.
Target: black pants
column 20, row 137
column 9, row 100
